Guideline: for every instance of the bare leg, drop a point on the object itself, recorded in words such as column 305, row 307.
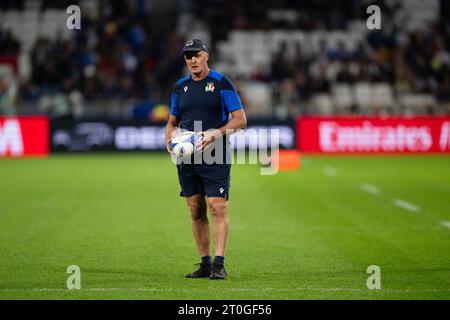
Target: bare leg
column 200, row 224
column 219, row 212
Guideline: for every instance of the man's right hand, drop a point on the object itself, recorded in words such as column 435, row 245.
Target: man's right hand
column 171, row 131
column 168, row 147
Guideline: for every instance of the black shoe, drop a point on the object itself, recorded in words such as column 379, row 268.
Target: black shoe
column 218, row 272
column 203, row 272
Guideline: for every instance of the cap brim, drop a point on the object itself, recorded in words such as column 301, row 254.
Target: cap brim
column 191, row 50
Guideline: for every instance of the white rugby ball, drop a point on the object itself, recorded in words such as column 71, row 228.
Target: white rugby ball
column 183, row 144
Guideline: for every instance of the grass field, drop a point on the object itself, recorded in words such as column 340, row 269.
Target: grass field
column 309, row 234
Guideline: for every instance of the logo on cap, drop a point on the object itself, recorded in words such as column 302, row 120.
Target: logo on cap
column 189, row 43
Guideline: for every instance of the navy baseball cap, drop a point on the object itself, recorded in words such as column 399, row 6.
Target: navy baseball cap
column 194, row 45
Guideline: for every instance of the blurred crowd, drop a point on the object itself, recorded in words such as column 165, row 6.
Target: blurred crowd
column 307, row 15
column 121, row 53
column 417, row 62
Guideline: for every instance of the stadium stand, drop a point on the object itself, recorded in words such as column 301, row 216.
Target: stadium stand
column 288, row 58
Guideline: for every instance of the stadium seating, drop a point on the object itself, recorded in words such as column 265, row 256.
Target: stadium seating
column 247, row 54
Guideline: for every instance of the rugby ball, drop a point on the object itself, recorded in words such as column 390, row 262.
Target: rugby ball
column 183, row 143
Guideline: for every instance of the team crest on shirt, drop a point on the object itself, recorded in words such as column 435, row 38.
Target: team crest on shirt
column 209, row 87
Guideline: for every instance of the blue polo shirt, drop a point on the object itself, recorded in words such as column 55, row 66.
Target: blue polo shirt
column 209, row 100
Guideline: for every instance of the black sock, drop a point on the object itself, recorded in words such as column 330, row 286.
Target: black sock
column 206, row 259
column 219, row 259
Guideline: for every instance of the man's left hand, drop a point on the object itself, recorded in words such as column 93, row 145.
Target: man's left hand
column 208, row 137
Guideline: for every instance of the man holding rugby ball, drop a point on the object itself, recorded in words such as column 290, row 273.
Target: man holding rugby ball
column 210, row 97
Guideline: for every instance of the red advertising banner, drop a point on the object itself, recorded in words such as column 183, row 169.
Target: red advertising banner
column 373, row 135
column 24, row 136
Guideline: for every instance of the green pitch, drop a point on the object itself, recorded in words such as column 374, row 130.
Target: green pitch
column 309, row 234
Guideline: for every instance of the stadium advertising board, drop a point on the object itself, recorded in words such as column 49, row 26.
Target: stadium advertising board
column 144, row 136
column 24, row 136
column 373, row 135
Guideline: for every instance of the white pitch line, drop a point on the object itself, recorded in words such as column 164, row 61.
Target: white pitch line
column 226, row 289
column 369, row 188
column 406, row 205
column 446, row 224
column 329, row 171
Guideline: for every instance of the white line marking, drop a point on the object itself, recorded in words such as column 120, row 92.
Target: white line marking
column 446, row 224
column 225, row 289
column 326, row 228
column 329, row 171
column 369, row 188
column 406, row 205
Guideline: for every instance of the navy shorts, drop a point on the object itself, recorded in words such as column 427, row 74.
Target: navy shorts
column 211, row 180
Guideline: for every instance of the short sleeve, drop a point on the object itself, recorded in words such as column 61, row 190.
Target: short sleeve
column 229, row 95
column 174, row 104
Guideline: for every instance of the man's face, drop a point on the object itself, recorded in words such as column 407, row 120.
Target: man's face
column 196, row 61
